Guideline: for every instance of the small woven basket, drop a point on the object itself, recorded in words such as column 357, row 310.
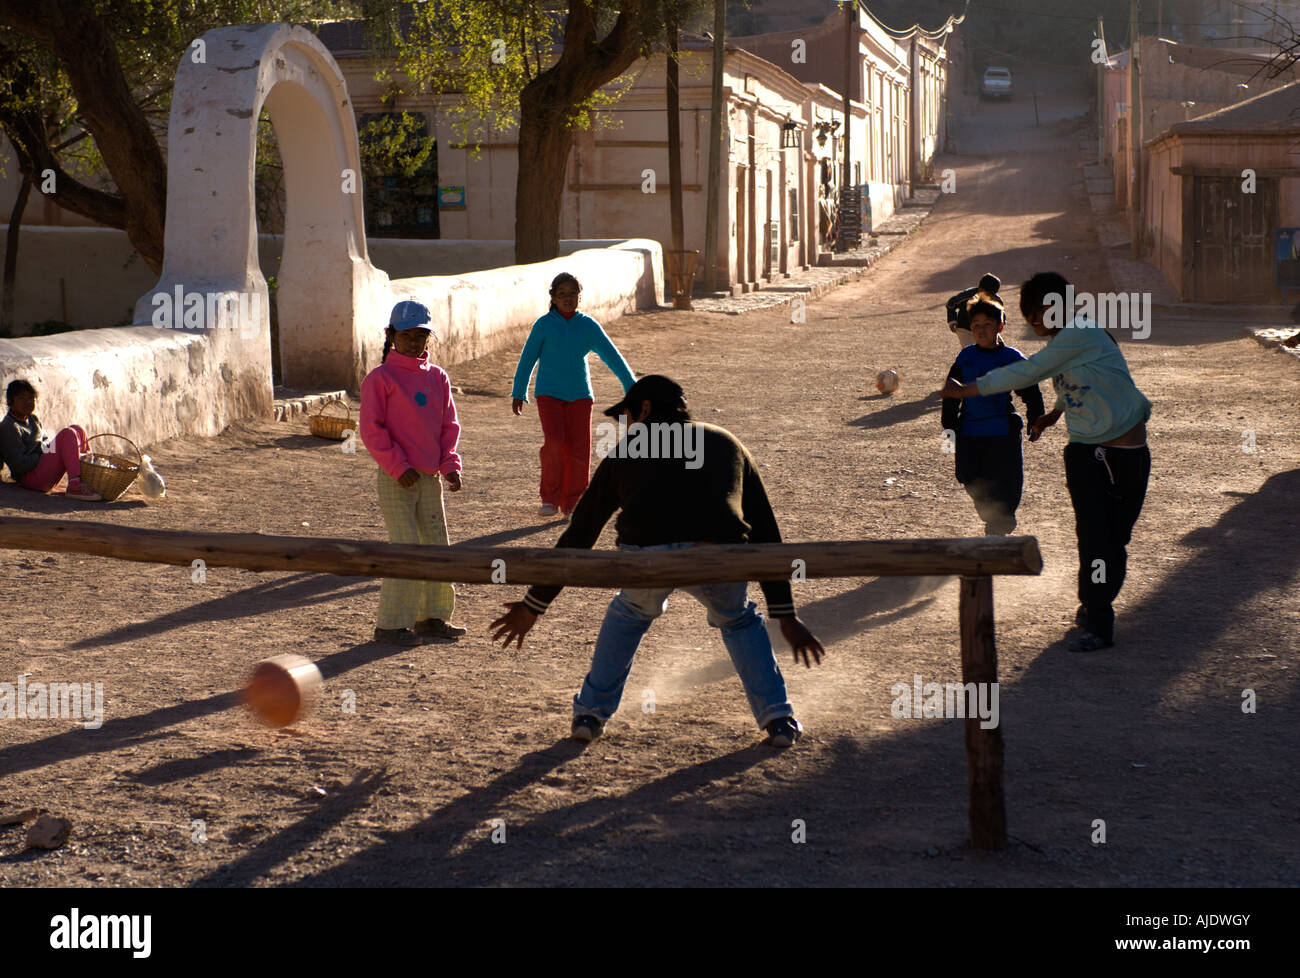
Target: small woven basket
column 332, row 425
column 108, row 474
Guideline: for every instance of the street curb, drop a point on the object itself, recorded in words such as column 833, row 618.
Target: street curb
column 293, row 407
column 1276, row 338
column 846, row 270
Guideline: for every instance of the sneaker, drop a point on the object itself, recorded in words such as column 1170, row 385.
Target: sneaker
column 397, row 636
column 437, row 628
column 548, row 510
column 784, row 731
column 1089, row 642
column 76, row 490
column 587, row 728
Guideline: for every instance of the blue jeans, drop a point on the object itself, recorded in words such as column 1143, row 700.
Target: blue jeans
column 743, row 632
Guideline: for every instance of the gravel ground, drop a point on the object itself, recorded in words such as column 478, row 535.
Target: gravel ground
column 180, row 787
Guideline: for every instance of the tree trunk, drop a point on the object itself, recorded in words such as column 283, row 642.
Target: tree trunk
column 546, row 108
column 545, row 140
column 11, row 257
column 74, row 34
column 674, row 139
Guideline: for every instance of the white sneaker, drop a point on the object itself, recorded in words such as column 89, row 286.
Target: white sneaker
column 548, row 510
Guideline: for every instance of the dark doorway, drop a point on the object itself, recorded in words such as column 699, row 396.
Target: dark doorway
column 1233, row 231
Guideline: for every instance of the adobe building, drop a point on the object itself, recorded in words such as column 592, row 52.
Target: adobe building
column 1217, row 191
column 901, row 80
column 783, row 128
column 1179, row 82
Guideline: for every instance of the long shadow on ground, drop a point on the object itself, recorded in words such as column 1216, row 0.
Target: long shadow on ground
column 121, row 731
column 291, row 592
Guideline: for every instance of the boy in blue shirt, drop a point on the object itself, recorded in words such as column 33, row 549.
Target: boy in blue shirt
column 987, row 429
column 1107, row 462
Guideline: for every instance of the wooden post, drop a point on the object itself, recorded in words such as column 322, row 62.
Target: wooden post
column 979, row 664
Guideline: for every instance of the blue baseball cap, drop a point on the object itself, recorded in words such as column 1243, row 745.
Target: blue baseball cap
column 409, row 314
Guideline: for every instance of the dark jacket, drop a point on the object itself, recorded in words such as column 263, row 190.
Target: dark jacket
column 666, row 500
column 21, row 444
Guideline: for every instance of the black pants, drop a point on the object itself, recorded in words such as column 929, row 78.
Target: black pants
column 1107, row 487
column 992, row 471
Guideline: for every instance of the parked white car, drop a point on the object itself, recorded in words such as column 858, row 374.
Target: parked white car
column 996, row 83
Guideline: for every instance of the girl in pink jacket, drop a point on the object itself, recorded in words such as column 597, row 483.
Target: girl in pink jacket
column 409, row 426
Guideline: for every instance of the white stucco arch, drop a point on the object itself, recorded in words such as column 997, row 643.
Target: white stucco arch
column 329, row 293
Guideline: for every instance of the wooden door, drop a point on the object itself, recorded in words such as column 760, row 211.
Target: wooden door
column 1233, row 239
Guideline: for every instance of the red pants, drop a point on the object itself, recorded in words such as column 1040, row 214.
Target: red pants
column 69, row 443
column 566, row 450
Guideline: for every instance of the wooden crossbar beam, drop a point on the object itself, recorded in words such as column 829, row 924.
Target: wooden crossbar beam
column 974, row 559
column 707, row 564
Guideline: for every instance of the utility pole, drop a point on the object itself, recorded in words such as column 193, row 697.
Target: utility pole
column 850, row 234
column 915, row 109
column 850, row 37
column 716, row 150
column 1134, row 136
column 1101, row 95
column 678, row 263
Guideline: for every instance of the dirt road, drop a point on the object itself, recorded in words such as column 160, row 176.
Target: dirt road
column 179, row 786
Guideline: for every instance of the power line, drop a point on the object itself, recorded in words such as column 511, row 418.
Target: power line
column 1266, row 14
column 916, row 28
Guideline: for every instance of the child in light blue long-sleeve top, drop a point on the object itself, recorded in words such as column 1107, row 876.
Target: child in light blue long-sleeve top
column 558, row 346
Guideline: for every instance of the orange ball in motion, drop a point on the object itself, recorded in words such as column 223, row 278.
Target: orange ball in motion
column 283, row 689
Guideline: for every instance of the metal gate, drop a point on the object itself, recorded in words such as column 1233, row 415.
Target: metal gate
column 1233, row 234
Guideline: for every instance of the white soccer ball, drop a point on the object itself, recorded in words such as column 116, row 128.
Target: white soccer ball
column 887, row 381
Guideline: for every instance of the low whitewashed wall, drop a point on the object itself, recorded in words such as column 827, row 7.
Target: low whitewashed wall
column 145, row 383
column 92, row 277
column 477, row 313
column 151, row 384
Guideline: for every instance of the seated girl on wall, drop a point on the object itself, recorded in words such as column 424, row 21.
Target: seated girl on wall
column 33, row 461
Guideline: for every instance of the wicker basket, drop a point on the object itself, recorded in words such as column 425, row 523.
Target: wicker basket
column 107, row 474
column 331, row 425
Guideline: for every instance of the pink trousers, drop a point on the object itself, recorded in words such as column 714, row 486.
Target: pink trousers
column 69, row 444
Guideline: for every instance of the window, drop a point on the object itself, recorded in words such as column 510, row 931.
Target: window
column 399, row 161
column 794, row 215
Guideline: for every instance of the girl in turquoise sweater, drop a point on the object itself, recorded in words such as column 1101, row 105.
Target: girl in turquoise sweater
column 558, row 346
